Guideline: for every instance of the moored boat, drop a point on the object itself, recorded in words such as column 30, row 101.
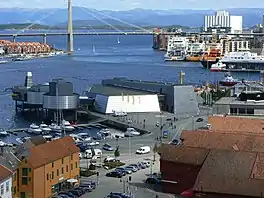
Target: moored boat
column 217, row 67
column 229, row 81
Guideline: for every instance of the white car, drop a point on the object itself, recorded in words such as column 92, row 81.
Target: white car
column 93, row 143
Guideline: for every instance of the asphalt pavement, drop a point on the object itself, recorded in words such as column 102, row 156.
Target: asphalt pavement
column 128, row 147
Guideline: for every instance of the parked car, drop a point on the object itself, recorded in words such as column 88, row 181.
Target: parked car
column 137, row 166
column 110, row 159
column 132, row 168
column 142, row 165
column 68, row 194
column 108, row 147
column 153, row 180
column 199, row 120
column 114, row 174
column 175, row 142
column 143, row 150
column 123, row 169
column 118, row 195
column 147, row 163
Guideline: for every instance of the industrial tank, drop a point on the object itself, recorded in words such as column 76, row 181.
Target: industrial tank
column 60, row 96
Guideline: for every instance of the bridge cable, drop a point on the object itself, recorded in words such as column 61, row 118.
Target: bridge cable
column 36, row 22
column 130, row 24
column 105, row 22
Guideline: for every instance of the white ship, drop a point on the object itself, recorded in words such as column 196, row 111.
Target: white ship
column 33, row 128
column 243, row 60
column 176, row 49
column 219, row 66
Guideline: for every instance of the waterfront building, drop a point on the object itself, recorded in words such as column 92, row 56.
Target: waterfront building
column 57, row 95
column 46, row 167
column 223, row 21
column 174, row 98
column 202, row 165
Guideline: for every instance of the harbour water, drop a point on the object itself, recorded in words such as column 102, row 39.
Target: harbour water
column 96, row 58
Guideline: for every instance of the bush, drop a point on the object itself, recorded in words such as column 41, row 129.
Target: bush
column 112, row 165
column 87, row 173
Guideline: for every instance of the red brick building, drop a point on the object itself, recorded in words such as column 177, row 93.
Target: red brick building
column 215, row 164
column 180, row 167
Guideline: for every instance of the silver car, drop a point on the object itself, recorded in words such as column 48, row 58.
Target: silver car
column 128, row 171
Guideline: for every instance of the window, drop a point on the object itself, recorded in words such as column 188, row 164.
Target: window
column 22, row 195
column 2, row 189
column 7, row 186
column 47, row 176
column 29, row 170
column 62, row 160
column 58, row 172
column 14, row 177
column 24, row 181
column 76, row 165
column 24, row 172
column 52, row 164
column 52, row 175
column 62, row 170
column 67, row 168
column 71, row 166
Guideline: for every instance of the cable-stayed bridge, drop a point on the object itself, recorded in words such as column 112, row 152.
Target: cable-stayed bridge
column 94, row 13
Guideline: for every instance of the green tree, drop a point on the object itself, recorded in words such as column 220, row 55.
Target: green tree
column 155, row 150
column 117, row 152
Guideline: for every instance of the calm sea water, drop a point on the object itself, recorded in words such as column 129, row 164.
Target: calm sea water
column 132, row 58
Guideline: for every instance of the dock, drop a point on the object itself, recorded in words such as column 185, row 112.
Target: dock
column 240, row 70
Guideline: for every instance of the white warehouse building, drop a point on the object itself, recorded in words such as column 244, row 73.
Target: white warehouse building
column 109, row 99
column 222, row 19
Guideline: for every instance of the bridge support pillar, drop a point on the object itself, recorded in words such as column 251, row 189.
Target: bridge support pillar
column 70, row 29
column 45, row 39
column 14, row 38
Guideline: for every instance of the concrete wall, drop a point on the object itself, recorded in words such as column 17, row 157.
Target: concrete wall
column 7, row 186
column 178, row 99
column 184, row 174
column 221, row 109
column 185, row 101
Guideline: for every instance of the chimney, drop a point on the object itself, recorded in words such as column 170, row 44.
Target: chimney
column 28, row 80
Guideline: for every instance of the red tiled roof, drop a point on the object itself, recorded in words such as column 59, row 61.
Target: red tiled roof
column 229, row 172
column 4, row 172
column 182, row 154
column 220, row 140
column 236, row 124
column 51, row 151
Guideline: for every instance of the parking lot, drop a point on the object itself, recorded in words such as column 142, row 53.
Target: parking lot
column 137, row 185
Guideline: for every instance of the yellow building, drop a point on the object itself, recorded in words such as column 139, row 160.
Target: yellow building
column 46, row 168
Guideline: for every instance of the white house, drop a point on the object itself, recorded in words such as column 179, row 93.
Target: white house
column 5, row 182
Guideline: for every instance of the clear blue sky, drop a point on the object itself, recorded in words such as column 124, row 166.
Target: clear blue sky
column 130, row 4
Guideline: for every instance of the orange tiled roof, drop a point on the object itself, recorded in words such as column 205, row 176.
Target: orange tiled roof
column 183, row 154
column 51, row 151
column 236, row 124
column 229, row 172
column 225, row 141
column 4, row 172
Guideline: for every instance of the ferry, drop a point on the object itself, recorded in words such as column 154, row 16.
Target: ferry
column 243, row 60
column 210, row 57
column 177, row 48
column 195, row 52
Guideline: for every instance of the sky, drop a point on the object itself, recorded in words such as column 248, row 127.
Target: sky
column 131, row 4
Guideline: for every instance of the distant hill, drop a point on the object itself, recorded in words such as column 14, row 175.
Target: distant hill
column 139, row 17
column 23, row 26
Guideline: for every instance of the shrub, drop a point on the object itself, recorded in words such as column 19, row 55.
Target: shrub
column 112, row 165
column 87, row 173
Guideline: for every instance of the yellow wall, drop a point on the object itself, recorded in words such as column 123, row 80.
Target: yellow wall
column 41, row 182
